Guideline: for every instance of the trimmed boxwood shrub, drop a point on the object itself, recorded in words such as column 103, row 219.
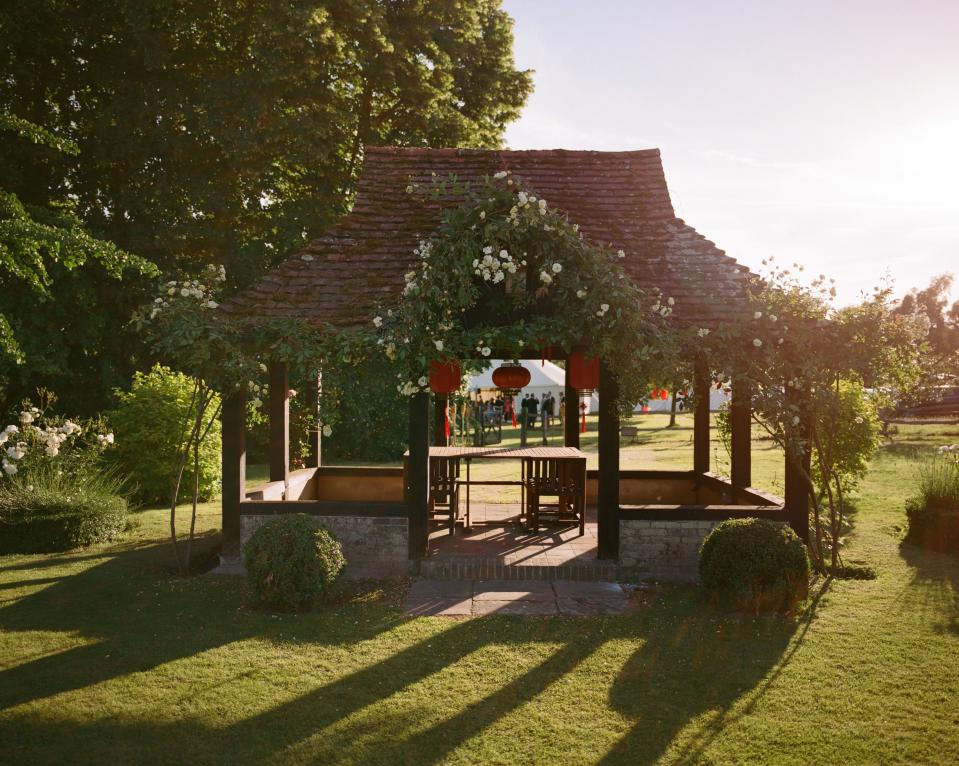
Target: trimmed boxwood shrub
column 50, row 513
column 754, row 565
column 292, row 561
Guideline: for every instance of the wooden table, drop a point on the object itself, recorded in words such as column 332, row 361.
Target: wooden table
column 468, row 454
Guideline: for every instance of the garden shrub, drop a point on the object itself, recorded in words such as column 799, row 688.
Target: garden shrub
column 150, row 423
column 933, row 514
column 51, row 511
column 754, row 565
column 292, row 562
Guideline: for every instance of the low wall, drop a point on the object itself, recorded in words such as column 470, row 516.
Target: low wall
column 373, row 545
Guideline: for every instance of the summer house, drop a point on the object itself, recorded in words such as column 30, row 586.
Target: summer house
column 381, row 515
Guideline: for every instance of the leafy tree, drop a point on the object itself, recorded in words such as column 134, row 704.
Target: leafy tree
column 232, row 131
column 43, row 245
column 215, row 131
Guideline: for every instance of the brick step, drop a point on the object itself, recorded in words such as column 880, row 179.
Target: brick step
column 494, row 568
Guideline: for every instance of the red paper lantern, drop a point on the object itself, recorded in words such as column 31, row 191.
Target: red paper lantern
column 510, row 377
column 654, row 394
column 445, row 377
column 663, row 394
column 583, row 372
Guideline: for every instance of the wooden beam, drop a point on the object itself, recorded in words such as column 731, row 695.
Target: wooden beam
column 314, row 386
column 417, row 475
column 740, row 421
column 233, row 434
column 797, row 469
column 701, row 417
column 570, row 413
column 279, row 422
column 608, row 505
column 440, row 402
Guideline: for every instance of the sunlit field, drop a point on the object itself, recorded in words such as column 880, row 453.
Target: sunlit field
column 105, row 657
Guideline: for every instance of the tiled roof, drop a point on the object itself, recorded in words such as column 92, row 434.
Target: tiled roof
column 617, row 198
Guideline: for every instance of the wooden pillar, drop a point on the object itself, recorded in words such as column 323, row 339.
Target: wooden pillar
column 570, row 413
column 608, row 510
column 233, row 434
column 701, row 417
column 417, row 474
column 279, row 422
column 440, row 402
column 314, row 387
column 798, row 467
column 740, row 421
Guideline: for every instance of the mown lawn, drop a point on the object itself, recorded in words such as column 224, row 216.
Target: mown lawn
column 107, row 658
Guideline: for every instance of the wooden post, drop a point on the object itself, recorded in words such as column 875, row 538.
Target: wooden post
column 740, row 417
column 570, row 413
column 701, row 418
column 796, row 484
column 608, row 510
column 314, row 387
column 440, row 403
column 233, row 434
column 417, row 475
column 279, row 422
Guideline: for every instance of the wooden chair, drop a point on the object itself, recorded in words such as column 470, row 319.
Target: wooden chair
column 444, row 497
column 548, row 477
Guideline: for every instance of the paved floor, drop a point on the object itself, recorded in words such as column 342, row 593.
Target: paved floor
column 497, row 532
column 477, row 598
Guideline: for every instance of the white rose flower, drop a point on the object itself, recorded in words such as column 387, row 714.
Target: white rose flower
column 486, row 351
column 438, row 344
column 604, row 307
column 773, row 317
column 482, row 215
column 327, row 430
column 212, row 304
column 422, row 381
column 409, row 189
column 545, row 278
column 795, row 420
column 620, row 253
column 26, row 418
column 499, row 176
column 488, row 250
column 758, row 315
column 503, row 254
column 377, row 321
column 557, row 267
column 3, row 437
column 670, row 301
column 9, row 468
column 580, row 293
column 702, row 332
column 757, row 342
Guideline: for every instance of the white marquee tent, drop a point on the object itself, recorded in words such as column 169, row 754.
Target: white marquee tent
column 546, row 376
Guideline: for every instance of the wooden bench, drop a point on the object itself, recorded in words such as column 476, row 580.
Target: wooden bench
column 631, row 431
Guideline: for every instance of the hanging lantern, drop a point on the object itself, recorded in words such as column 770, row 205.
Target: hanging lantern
column 583, row 372
column 445, row 377
column 663, row 394
column 510, row 377
column 654, row 394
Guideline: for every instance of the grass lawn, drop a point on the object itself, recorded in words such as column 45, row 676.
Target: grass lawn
column 107, row 658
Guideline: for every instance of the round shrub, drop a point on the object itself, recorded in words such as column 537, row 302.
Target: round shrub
column 291, row 563
column 149, row 423
column 51, row 513
column 754, row 565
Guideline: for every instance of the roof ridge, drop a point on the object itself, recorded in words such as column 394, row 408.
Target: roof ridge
column 414, row 151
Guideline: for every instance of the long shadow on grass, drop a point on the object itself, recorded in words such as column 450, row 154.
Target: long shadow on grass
column 133, row 616
column 935, row 586
column 697, row 662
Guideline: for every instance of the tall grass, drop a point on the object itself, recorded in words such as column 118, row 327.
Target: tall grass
column 938, row 483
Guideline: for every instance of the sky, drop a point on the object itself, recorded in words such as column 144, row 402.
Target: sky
column 823, row 132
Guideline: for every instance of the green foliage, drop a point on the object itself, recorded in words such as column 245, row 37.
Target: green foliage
column 808, row 364
column 506, row 271
column 372, row 418
column 292, row 562
column 933, row 513
column 150, row 422
column 41, row 242
column 203, row 130
column 237, row 128
column 754, row 565
column 53, row 511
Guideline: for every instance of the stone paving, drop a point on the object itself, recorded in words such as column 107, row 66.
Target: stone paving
column 478, row 598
